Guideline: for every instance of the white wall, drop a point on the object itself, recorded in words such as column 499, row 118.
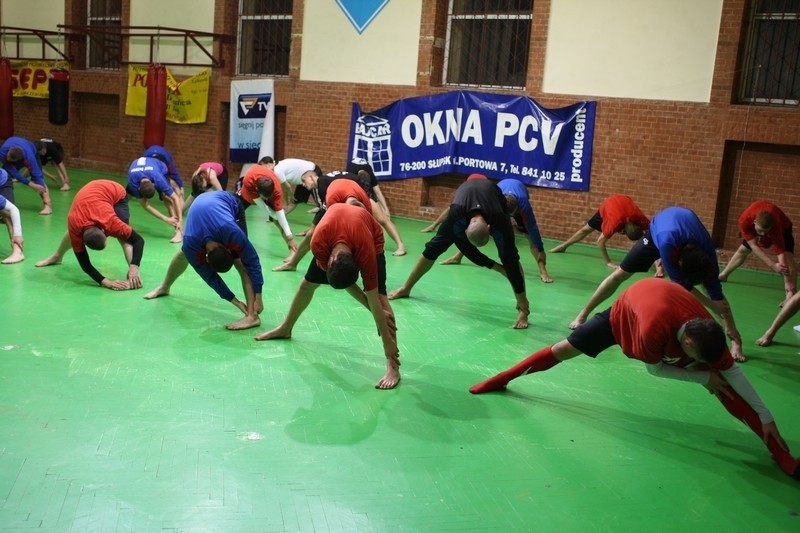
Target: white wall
column 648, row 49
column 195, row 15
column 36, row 14
column 385, row 53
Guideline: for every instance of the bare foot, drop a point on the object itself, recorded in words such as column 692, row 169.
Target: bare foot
column 64, row 187
column 52, row 260
column 245, row 322
column 765, row 340
column 577, row 322
column 738, row 356
column 546, row 278
column 427, row 229
column 281, row 332
column 285, row 267
column 47, row 210
column 391, row 378
column 521, row 323
column 400, row 251
column 156, row 293
column 560, row 249
column 659, row 272
column 313, row 210
column 177, row 238
column 455, row 260
column 611, row 264
column 16, row 257
column 722, row 278
column 402, row 292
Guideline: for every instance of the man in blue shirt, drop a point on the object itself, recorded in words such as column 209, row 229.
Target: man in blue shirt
column 148, row 175
column 17, row 153
column 679, row 239
column 163, row 155
column 212, row 243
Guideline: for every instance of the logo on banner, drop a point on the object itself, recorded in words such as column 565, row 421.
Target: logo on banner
column 361, row 13
column 253, row 105
column 372, row 143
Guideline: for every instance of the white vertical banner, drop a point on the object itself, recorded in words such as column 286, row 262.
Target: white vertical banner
column 252, row 127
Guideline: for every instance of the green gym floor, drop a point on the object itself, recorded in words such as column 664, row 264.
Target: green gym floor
column 121, row 414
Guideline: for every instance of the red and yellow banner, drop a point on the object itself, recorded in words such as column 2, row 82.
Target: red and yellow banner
column 30, row 77
column 187, row 100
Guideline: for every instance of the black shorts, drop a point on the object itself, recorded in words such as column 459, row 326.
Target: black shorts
column 641, row 255
column 123, row 211
column 302, row 195
column 315, row 274
column 788, row 241
column 594, row 336
column 7, row 190
column 596, row 222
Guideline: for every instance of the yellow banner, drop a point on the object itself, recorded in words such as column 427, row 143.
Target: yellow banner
column 30, row 77
column 187, row 101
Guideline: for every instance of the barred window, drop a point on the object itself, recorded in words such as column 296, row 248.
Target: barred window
column 488, row 42
column 771, row 67
column 104, row 43
column 265, row 37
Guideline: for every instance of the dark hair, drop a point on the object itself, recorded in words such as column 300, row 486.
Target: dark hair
column 360, row 164
column 220, row 259
column 94, row 238
column 147, row 189
column 512, row 204
column 765, row 219
column 160, row 157
column 266, row 160
column 318, row 171
column 694, row 264
column 342, row 270
column 707, row 337
column 265, row 187
column 199, row 182
column 15, row 154
column 635, row 233
column 39, row 145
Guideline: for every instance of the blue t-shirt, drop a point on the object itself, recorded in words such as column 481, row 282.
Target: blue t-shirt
column 671, row 230
column 212, row 217
column 524, row 209
column 148, row 168
column 30, row 159
column 162, row 154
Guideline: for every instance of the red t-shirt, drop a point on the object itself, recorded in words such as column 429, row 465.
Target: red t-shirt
column 94, row 206
column 340, row 190
column 250, row 193
column 647, row 316
column 774, row 237
column 355, row 227
column 618, row 209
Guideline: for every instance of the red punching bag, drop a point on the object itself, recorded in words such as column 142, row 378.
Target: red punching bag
column 6, row 99
column 155, row 119
column 58, row 96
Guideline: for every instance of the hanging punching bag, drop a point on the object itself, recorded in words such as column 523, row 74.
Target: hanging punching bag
column 6, row 99
column 155, row 119
column 58, row 87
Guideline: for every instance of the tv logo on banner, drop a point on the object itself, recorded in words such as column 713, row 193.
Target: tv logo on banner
column 253, row 106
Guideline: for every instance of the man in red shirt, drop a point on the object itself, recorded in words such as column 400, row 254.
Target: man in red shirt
column 260, row 181
column 617, row 214
column 762, row 226
column 100, row 209
column 661, row 324
column 348, row 241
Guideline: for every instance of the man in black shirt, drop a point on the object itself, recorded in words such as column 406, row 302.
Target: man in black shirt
column 49, row 150
column 478, row 212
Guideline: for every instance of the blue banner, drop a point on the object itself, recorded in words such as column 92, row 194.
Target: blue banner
column 497, row 135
